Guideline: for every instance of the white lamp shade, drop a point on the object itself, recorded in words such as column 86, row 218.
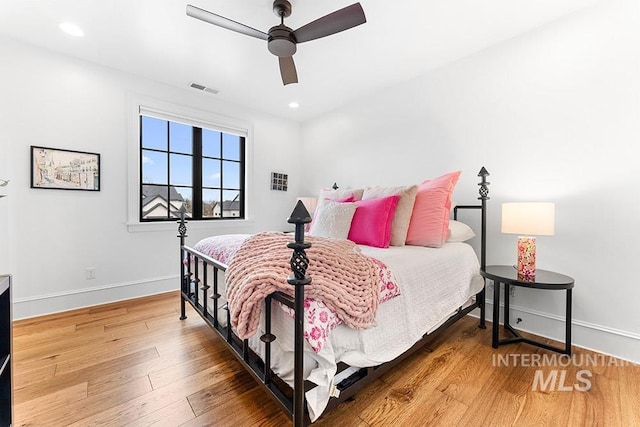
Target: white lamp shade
column 309, row 203
column 529, row 218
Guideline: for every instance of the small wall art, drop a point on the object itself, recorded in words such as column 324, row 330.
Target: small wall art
column 279, row 181
column 55, row 168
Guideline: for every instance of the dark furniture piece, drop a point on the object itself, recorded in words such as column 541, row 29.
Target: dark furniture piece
column 6, row 389
column 543, row 279
column 195, row 289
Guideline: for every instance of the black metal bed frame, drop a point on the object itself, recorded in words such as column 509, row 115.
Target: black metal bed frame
column 196, row 267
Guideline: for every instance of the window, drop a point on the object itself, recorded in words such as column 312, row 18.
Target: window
column 195, row 168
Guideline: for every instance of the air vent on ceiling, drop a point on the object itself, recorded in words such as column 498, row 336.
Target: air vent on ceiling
column 203, row 88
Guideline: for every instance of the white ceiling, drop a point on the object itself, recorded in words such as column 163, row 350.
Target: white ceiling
column 155, row 39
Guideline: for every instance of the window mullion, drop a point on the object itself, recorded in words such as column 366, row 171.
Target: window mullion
column 197, row 173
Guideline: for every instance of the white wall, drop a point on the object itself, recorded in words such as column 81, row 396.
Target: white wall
column 554, row 115
column 49, row 237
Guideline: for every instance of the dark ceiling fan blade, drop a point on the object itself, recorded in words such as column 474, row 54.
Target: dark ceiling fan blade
column 288, row 70
column 221, row 21
column 332, row 23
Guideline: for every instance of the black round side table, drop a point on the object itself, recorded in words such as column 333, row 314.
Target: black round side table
column 543, row 279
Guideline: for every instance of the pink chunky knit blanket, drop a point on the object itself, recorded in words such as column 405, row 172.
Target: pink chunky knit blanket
column 342, row 277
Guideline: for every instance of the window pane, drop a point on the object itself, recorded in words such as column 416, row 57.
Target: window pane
column 154, row 133
column 231, row 175
column 230, row 146
column 180, row 169
column 180, row 137
column 154, row 201
column 154, row 167
column 186, row 200
column 231, row 204
column 210, row 143
column 210, row 173
column 210, row 203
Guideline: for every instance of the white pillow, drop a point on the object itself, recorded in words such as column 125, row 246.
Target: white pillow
column 332, row 219
column 402, row 216
column 336, row 195
column 459, row 231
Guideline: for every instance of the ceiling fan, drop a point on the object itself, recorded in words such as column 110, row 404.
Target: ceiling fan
column 281, row 40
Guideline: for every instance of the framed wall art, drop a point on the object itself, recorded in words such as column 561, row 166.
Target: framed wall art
column 59, row 169
column 279, row 181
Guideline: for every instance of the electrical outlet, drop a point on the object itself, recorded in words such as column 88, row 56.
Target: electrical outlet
column 91, row 273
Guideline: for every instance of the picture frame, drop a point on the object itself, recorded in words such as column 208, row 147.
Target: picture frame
column 279, row 181
column 60, row 169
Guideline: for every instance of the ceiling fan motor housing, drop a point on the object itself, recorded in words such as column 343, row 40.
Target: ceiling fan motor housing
column 281, row 41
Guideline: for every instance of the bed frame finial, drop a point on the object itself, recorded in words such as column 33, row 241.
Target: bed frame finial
column 484, row 184
column 299, row 217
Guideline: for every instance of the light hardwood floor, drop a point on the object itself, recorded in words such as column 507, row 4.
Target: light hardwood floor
column 134, row 363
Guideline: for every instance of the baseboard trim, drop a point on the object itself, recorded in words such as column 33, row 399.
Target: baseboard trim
column 589, row 325
column 39, row 305
column 591, row 336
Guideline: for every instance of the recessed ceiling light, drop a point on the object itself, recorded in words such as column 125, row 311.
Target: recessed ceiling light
column 71, row 29
column 293, row 104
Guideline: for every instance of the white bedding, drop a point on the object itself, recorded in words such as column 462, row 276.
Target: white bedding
column 433, row 284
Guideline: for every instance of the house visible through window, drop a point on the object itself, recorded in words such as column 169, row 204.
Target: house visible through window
column 197, row 169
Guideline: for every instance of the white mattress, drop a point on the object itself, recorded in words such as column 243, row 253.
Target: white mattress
column 433, row 284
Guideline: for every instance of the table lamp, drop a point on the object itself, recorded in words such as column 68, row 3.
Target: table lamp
column 528, row 219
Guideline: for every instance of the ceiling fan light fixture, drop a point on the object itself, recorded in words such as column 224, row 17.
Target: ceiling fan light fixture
column 281, row 42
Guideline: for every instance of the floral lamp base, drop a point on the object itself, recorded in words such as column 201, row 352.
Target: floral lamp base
column 526, row 258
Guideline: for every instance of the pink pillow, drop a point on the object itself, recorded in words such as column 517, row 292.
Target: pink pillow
column 371, row 224
column 429, row 225
column 349, row 199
